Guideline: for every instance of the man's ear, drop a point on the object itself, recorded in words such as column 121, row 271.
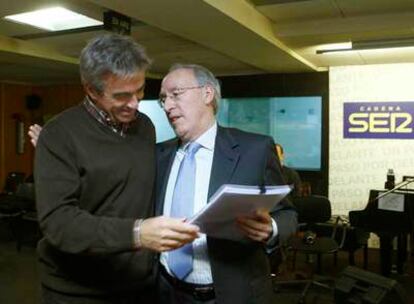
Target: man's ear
column 91, row 92
column 208, row 94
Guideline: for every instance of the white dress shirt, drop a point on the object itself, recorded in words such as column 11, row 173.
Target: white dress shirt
column 201, row 273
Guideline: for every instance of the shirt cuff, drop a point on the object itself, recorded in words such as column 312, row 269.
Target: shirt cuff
column 274, row 238
column 137, row 233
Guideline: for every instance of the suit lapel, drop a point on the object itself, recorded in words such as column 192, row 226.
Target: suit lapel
column 225, row 159
column 166, row 154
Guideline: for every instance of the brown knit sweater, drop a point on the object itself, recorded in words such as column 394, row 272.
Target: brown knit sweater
column 91, row 184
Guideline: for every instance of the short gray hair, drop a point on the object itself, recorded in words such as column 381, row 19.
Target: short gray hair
column 203, row 77
column 111, row 54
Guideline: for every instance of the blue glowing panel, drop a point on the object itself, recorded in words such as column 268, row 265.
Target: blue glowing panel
column 246, row 114
column 294, row 122
column 163, row 129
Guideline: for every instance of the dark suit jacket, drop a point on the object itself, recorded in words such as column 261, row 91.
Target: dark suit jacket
column 241, row 271
column 292, row 177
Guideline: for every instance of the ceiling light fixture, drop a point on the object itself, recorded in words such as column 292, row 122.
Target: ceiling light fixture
column 371, row 45
column 54, row 19
column 335, row 47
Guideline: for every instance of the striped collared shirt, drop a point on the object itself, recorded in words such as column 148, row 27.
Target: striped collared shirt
column 103, row 118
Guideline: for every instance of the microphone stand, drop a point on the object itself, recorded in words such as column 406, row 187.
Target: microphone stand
column 398, row 186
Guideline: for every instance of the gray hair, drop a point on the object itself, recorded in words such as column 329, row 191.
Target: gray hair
column 203, row 77
column 111, row 54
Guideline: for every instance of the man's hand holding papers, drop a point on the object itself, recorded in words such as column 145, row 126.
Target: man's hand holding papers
column 256, row 226
column 238, row 212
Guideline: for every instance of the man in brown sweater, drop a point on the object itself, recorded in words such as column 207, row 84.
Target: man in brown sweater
column 94, row 174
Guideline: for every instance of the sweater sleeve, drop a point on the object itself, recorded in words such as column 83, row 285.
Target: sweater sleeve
column 64, row 224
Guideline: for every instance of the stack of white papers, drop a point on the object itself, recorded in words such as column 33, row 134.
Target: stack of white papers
column 218, row 217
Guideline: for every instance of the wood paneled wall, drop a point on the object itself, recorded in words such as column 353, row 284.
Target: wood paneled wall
column 13, row 109
column 13, row 106
column 55, row 98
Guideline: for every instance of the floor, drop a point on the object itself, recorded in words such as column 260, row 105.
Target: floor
column 318, row 295
column 19, row 282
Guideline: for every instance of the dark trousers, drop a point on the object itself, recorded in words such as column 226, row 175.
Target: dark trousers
column 54, row 297
column 168, row 294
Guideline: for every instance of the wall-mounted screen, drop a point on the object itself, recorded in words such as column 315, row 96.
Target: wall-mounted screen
column 163, row 129
column 294, row 122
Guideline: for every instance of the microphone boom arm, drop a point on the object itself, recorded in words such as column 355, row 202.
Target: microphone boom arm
column 398, row 186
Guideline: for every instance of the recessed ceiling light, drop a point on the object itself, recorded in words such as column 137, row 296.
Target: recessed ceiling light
column 369, row 45
column 335, row 47
column 54, row 19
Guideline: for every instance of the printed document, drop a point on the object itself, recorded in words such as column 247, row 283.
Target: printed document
column 218, row 217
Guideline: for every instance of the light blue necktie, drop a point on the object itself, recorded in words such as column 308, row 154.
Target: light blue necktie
column 180, row 261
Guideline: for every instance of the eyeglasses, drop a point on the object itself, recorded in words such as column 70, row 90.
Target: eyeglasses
column 175, row 94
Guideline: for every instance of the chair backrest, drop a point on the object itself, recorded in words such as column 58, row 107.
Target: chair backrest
column 313, row 209
column 25, row 197
column 305, row 189
column 13, row 180
column 26, row 190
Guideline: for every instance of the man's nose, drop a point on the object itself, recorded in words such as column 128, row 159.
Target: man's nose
column 133, row 102
column 169, row 103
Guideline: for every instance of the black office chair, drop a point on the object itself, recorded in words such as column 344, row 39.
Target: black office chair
column 18, row 210
column 10, row 212
column 13, row 180
column 28, row 231
column 313, row 210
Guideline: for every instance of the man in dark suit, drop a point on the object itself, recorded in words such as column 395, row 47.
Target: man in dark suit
column 220, row 271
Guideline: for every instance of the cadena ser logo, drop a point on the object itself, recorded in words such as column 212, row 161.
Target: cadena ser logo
column 378, row 120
